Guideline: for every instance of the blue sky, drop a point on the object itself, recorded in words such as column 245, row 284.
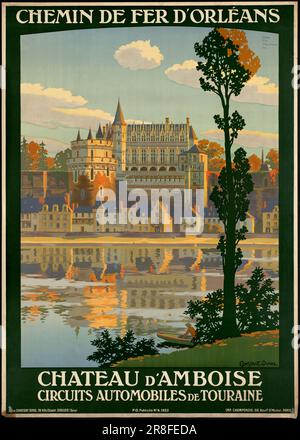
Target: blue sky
column 83, row 64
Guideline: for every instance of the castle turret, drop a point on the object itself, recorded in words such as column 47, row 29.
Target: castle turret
column 78, row 136
column 119, row 132
column 99, row 134
column 90, row 136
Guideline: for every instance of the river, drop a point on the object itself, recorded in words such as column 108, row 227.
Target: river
column 70, row 293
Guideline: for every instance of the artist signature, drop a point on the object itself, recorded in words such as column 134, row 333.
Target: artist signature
column 258, row 364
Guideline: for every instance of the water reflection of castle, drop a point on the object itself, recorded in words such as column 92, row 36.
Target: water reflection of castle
column 97, row 261
column 143, row 288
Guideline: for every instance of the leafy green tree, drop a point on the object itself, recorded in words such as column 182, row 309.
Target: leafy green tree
column 225, row 68
column 255, row 305
column 208, row 313
column 25, row 157
column 43, row 156
column 61, row 159
column 111, row 350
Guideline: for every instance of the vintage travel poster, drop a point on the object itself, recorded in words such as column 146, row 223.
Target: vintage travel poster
column 149, row 163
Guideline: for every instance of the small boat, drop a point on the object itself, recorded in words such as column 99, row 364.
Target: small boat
column 175, row 340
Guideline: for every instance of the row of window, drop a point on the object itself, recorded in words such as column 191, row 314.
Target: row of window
column 52, row 217
column 77, row 173
column 92, row 154
column 144, row 156
column 157, row 138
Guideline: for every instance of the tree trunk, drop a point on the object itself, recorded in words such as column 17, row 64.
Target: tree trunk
column 229, row 326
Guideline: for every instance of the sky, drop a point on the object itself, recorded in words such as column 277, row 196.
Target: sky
column 73, row 79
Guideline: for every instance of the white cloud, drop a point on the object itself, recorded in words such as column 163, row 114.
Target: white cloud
column 258, row 90
column 248, row 138
column 184, row 73
column 57, row 94
column 58, row 107
column 139, row 55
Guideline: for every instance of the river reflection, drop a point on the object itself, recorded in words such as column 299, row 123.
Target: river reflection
column 69, row 294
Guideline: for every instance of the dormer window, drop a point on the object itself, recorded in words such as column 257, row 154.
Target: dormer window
column 55, row 208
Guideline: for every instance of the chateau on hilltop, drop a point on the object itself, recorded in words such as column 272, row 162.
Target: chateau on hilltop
column 146, row 155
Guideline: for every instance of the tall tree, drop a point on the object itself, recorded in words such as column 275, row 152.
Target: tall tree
column 226, row 64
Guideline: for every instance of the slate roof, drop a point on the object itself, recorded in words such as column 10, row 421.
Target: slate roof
column 30, row 204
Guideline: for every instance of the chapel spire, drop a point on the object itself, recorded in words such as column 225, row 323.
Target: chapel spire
column 119, row 117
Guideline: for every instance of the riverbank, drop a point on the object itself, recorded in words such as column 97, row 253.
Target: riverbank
column 142, row 241
column 258, row 349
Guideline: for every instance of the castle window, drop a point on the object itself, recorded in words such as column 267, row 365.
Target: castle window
column 144, row 156
column 92, row 154
column 162, row 156
column 75, row 176
column 77, row 153
column 92, row 174
column 107, row 172
column 134, row 156
column 153, row 156
column 172, row 156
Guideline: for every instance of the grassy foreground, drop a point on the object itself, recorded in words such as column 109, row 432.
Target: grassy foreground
column 259, row 349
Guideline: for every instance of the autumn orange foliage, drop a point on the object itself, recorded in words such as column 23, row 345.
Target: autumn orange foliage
column 247, row 57
column 34, row 150
column 255, row 162
column 50, row 161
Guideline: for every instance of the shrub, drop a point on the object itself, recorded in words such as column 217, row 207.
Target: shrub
column 255, row 308
column 110, row 350
column 208, row 314
column 255, row 305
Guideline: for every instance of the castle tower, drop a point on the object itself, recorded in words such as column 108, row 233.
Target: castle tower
column 119, row 133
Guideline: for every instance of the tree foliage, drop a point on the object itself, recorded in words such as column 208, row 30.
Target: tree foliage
column 34, row 156
column 110, row 350
column 272, row 159
column 214, row 153
column 226, row 64
column 61, row 159
column 255, row 162
column 256, row 308
column 256, row 304
column 242, row 186
column 208, row 314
